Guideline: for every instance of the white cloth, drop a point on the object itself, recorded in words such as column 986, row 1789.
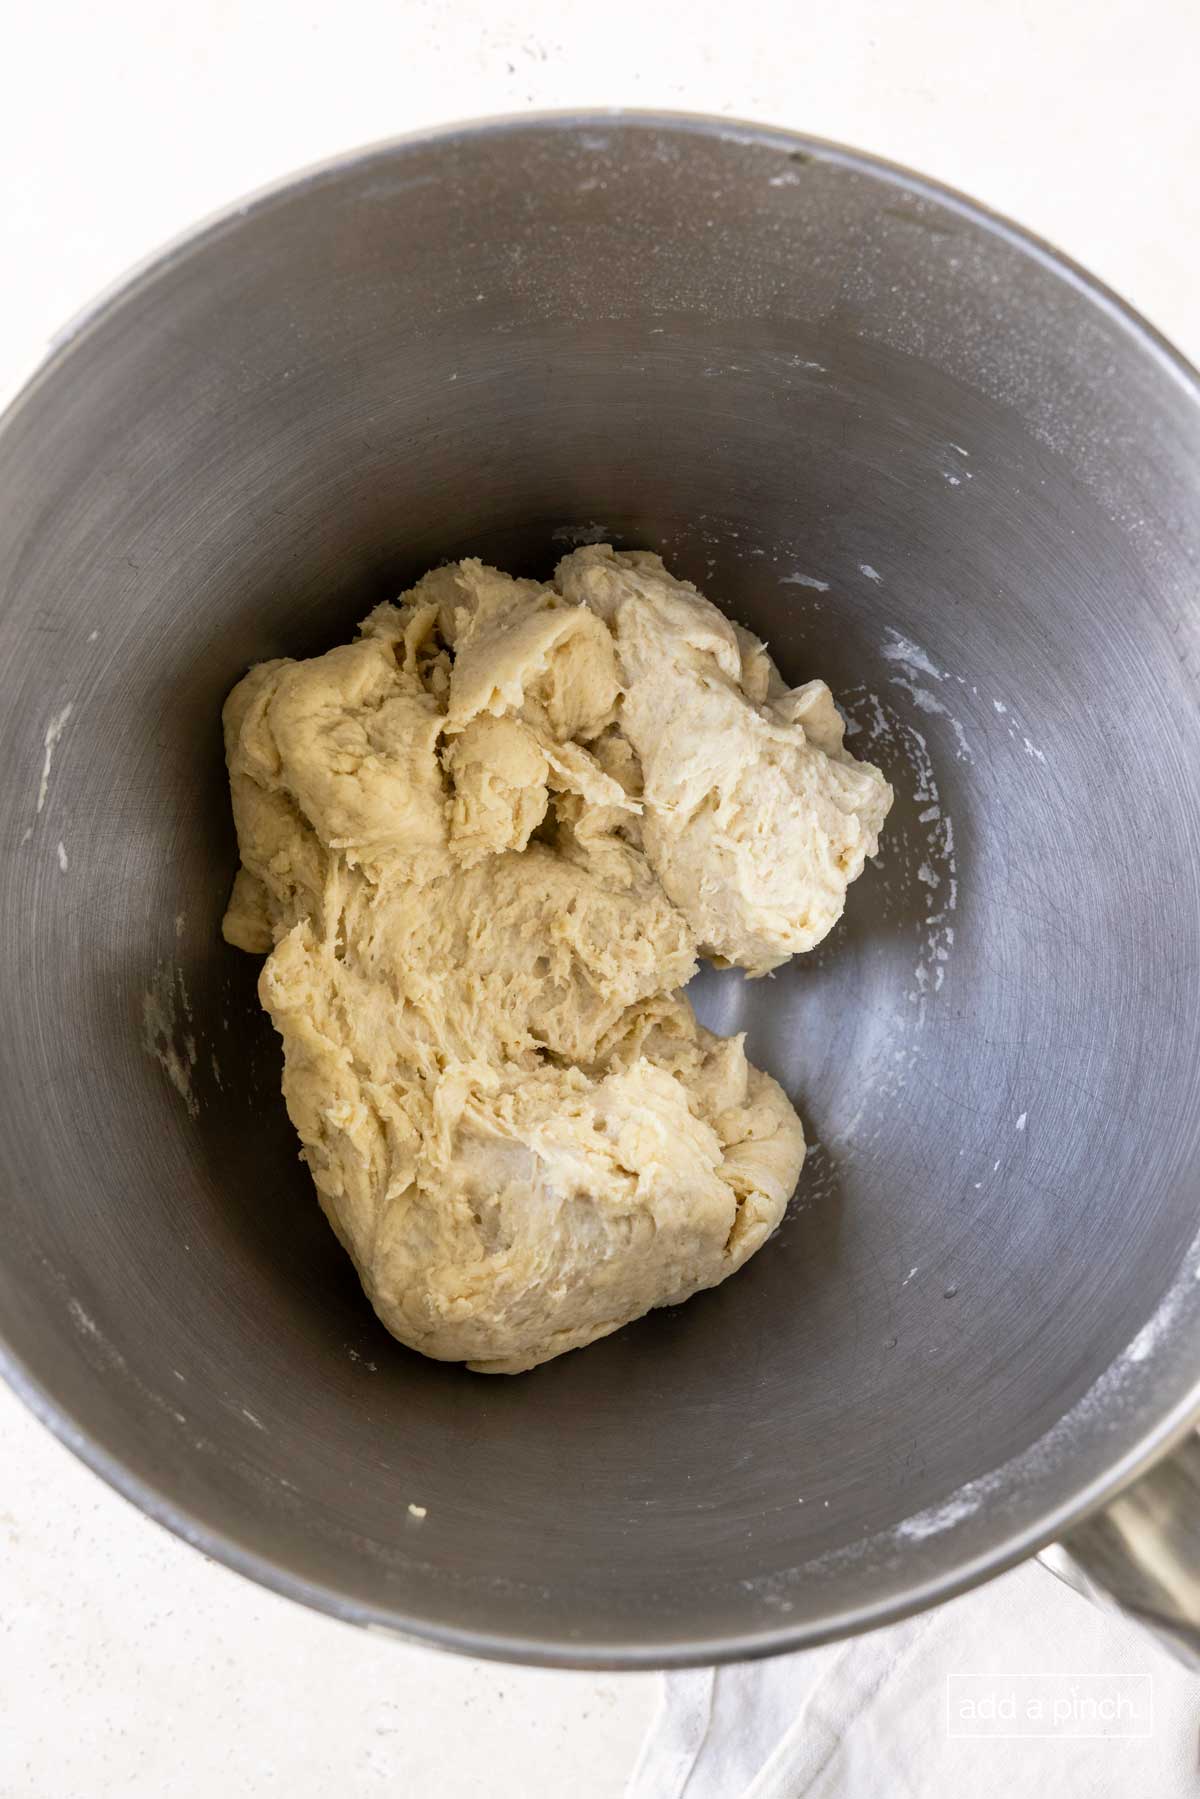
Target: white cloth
column 870, row 1718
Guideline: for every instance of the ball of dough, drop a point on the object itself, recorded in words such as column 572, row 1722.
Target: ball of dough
column 483, row 845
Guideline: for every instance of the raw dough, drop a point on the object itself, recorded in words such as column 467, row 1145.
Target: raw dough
column 484, row 844
column 754, row 826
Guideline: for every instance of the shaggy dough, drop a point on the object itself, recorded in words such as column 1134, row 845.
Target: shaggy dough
column 756, row 816
column 484, row 844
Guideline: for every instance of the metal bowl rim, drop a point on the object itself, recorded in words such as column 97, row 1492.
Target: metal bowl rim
column 1155, row 1441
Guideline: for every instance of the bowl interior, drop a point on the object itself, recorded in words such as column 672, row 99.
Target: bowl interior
column 925, row 463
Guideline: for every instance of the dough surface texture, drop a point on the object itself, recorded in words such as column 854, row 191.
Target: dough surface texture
column 482, row 847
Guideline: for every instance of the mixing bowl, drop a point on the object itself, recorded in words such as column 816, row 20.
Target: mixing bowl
column 928, row 460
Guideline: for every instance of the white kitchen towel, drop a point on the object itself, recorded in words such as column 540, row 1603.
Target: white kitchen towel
column 1058, row 1697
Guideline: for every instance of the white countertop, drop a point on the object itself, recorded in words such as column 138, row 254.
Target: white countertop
column 129, row 1664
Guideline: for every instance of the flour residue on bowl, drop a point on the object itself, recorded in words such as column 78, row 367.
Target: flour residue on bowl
column 917, row 667
column 931, row 687
column 50, row 740
column 1123, row 1386
column 902, row 751
column 588, row 532
column 167, row 1032
column 952, row 1511
column 910, row 655
column 82, row 1320
column 918, row 863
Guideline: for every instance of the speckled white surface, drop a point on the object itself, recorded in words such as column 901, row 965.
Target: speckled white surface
column 128, row 1664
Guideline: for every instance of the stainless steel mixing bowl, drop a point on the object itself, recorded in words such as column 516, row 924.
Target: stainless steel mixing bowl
column 928, row 460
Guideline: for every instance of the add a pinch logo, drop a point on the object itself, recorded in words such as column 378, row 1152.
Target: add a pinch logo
column 1049, row 1705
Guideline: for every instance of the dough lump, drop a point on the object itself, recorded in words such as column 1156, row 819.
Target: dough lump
column 484, row 845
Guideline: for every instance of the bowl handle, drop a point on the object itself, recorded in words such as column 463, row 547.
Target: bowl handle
column 1141, row 1554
